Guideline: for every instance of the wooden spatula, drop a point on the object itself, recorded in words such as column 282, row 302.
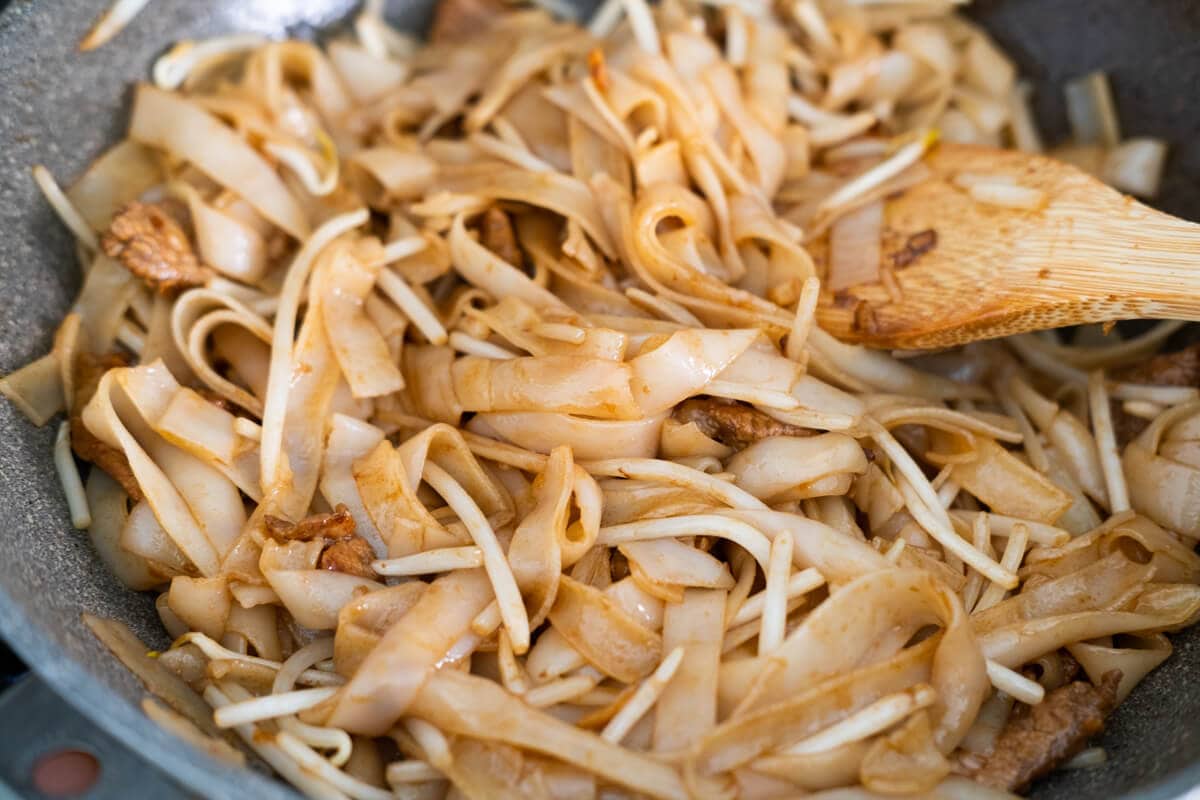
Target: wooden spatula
column 968, row 271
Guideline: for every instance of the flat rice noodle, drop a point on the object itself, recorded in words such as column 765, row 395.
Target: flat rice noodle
column 839, row 558
column 349, row 440
column 742, row 739
column 482, row 268
column 120, row 175
column 312, row 596
column 1173, row 561
column 661, row 202
column 142, row 536
column 687, row 707
column 108, row 288
column 540, row 124
column 555, row 192
column 271, row 66
column 1162, row 488
column 390, row 678
column 592, row 387
column 368, row 76
column 344, row 282
column 1108, row 584
column 202, row 604
column 605, row 635
column 201, row 312
column 826, row 769
column 541, row 432
column 467, row 705
column 429, row 384
column 363, row 622
column 1004, row 482
column 535, row 553
column 36, row 389
column 531, row 56
column 772, row 468
column 313, row 380
column 514, row 320
column 592, row 154
column 108, row 502
column 839, row 635
column 1135, row 661
column 179, row 126
column 234, row 247
column 684, row 364
column 763, row 146
column 905, row 759
column 404, row 524
column 388, row 175
column 1161, row 607
column 670, row 561
column 481, row 770
column 856, row 366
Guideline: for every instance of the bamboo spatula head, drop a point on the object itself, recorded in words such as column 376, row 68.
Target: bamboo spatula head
column 967, row 270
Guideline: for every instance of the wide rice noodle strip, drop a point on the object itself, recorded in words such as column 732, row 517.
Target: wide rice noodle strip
column 814, row 708
column 269, row 68
column 467, row 705
column 482, row 268
column 196, row 314
column 837, row 637
column 172, row 123
column 779, row 467
column 661, row 202
column 444, row 446
column 593, row 387
column 1134, row 662
column 169, row 506
column 388, row 175
column 541, row 432
column 763, row 146
column 107, row 291
column 223, row 241
column 194, row 443
column 349, row 440
column 688, row 705
column 534, row 54
column 535, row 553
column 684, row 364
column 120, row 175
column 36, row 389
column 671, row 562
column 555, row 192
column 1174, row 561
column 839, row 558
column 1004, row 482
column 282, row 367
column 1104, row 585
column 1162, row 607
column 343, row 283
column 611, row 640
column 387, row 682
column 1163, row 488
column 312, row 596
column 108, row 504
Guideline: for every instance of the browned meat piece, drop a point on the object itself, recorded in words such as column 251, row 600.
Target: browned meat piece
column 496, row 234
column 732, row 423
column 1035, row 743
column 458, row 19
column 352, row 556
column 153, row 247
column 89, row 369
column 336, row 526
column 1181, row 368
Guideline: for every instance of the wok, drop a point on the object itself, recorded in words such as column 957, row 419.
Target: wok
column 61, row 108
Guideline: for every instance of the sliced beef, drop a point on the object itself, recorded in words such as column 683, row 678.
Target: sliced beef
column 1033, row 744
column 336, row 526
column 153, row 247
column 732, row 423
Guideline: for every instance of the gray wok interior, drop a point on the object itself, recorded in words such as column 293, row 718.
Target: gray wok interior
column 61, row 108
